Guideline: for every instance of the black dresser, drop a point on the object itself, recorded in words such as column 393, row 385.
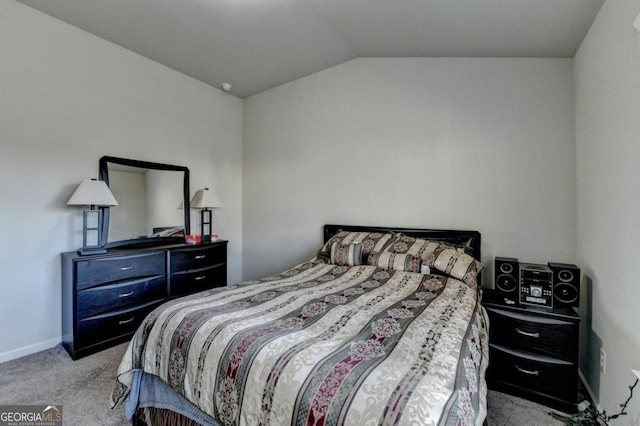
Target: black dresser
column 106, row 297
column 533, row 352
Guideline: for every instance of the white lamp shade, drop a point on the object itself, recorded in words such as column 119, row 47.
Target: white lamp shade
column 92, row 193
column 205, row 199
column 636, row 373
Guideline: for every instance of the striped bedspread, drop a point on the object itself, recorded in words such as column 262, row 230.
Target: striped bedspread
column 322, row 344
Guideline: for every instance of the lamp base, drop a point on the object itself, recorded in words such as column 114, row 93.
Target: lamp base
column 87, row 251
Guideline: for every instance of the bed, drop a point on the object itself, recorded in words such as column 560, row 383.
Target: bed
column 383, row 326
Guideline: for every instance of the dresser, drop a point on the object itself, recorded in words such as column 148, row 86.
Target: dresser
column 106, row 297
column 533, row 352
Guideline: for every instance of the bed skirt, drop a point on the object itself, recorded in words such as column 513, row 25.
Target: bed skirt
column 161, row 417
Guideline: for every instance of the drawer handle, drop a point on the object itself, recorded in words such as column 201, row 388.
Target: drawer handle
column 529, row 372
column 200, row 278
column 126, row 268
column 201, row 256
column 123, row 322
column 524, row 333
column 126, row 294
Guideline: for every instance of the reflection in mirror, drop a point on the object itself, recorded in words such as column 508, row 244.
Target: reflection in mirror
column 148, row 200
column 151, row 198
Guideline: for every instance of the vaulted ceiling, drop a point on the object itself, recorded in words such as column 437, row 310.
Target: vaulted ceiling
column 259, row 44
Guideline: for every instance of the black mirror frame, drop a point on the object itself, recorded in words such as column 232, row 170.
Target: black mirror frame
column 104, row 175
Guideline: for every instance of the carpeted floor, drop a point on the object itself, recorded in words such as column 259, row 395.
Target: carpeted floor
column 82, row 388
column 51, row 377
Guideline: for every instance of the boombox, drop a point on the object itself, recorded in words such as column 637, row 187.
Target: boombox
column 555, row 285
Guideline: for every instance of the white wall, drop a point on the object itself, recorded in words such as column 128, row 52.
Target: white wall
column 128, row 219
column 164, row 199
column 485, row 144
column 607, row 84
column 66, row 99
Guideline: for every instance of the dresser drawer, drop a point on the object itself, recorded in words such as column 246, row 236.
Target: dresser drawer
column 106, row 297
column 192, row 281
column 100, row 328
column 110, row 269
column 195, row 258
column 96, row 300
column 548, row 376
column 537, row 334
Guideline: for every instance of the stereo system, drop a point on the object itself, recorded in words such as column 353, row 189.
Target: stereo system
column 555, row 285
column 536, row 285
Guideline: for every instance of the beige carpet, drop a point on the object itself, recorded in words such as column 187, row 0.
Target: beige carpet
column 82, row 388
column 51, row 377
column 507, row 410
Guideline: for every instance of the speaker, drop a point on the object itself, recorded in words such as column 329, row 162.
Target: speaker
column 566, row 285
column 506, row 285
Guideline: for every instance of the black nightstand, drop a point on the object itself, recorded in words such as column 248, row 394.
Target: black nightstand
column 533, row 352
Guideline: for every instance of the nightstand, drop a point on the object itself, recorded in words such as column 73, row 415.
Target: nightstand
column 533, row 352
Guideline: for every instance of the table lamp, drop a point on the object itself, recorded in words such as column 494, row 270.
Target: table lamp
column 205, row 199
column 94, row 193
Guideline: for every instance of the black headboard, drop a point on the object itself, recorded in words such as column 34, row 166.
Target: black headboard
column 466, row 238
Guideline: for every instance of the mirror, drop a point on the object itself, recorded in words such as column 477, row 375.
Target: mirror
column 153, row 202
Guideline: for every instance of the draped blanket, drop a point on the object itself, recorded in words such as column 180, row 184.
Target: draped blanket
column 321, row 344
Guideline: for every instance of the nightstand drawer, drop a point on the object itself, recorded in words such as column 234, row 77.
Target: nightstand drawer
column 553, row 337
column 94, row 272
column 548, row 376
column 192, row 281
column 194, row 258
column 101, row 299
column 103, row 327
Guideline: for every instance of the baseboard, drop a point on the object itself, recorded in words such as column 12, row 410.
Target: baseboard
column 28, row 350
column 586, row 386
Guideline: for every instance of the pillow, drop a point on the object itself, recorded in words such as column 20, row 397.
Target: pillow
column 371, row 241
column 396, row 261
column 346, row 254
column 448, row 258
column 455, row 262
column 420, row 247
